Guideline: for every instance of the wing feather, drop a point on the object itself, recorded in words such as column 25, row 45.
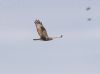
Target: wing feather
column 41, row 30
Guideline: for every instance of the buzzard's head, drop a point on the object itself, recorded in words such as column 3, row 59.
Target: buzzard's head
column 37, row 22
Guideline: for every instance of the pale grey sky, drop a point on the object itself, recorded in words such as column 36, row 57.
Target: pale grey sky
column 78, row 52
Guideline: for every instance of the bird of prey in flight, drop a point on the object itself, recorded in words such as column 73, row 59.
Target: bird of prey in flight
column 42, row 32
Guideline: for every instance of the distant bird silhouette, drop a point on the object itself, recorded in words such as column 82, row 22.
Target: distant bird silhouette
column 89, row 19
column 42, row 32
column 88, row 8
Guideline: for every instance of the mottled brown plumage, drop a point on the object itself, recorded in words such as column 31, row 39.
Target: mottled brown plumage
column 42, row 32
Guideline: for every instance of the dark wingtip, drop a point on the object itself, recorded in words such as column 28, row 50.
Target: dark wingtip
column 36, row 39
column 61, row 36
column 37, row 21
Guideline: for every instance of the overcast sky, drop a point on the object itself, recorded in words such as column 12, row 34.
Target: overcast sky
column 78, row 52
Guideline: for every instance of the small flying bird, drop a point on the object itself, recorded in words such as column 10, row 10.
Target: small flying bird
column 89, row 19
column 42, row 32
column 88, row 8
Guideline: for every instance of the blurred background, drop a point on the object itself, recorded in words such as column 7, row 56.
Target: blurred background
column 78, row 52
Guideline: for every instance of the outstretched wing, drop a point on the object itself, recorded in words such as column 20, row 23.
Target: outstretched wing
column 41, row 30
